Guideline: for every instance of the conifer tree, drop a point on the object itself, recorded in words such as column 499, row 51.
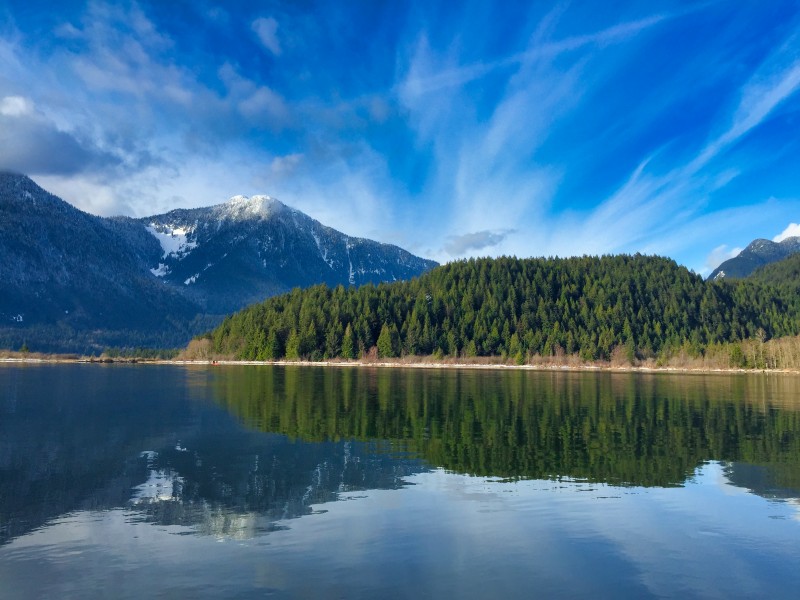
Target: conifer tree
column 348, row 343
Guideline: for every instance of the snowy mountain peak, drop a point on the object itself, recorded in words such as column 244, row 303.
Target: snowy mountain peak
column 758, row 253
column 242, row 207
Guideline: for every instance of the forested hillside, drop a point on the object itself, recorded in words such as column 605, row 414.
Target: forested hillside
column 781, row 274
column 639, row 306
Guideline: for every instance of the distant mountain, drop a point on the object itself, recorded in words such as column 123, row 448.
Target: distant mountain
column 248, row 249
column 759, row 253
column 71, row 281
column 62, row 267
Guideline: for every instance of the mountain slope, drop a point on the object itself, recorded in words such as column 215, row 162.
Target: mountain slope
column 758, row 253
column 71, row 281
column 248, row 249
column 783, row 273
column 61, row 265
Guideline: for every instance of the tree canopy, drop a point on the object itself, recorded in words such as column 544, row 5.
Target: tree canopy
column 643, row 306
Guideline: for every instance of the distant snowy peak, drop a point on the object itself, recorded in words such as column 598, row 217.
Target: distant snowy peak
column 758, row 253
column 243, row 208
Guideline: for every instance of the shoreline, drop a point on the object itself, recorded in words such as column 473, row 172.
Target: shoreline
column 565, row 368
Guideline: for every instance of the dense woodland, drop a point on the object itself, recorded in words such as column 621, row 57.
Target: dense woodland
column 592, row 307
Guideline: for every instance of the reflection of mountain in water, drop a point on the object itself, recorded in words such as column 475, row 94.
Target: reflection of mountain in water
column 94, row 438
column 232, row 483
column 613, row 428
column 149, row 440
column 777, row 481
column 70, row 437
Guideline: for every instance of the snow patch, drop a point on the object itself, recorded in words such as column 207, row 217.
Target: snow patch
column 241, row 207
column 191, row 279
column 322, row 251
column 719, row 275
column 161, row 485
column 174, row 240
column 17, row 318
column 161, row 271
column 352, row 278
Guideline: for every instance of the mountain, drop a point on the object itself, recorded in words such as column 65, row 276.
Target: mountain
column 760, row 252
column 62, row 267
column 71, row 281
column 248, row 249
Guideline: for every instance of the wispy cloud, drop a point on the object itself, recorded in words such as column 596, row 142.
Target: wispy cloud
column 719, row 255
column 421, row 82
column 267, row 31
column 459, row 245
column 488, row 165
column 653, row 210
column 507, row 130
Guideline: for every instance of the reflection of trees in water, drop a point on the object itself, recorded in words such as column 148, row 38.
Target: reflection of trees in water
column 71, row 438
column 633, row 429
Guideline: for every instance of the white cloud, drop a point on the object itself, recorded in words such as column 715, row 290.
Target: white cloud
column 264, row 106
column 16, row 106
column 285, row 166
column 719, row 255
column 793, row 230
column 458, row 245
column 267, row 31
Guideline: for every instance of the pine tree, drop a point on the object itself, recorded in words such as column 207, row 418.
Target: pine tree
column 385, row 349
column 293, row 346
column 348, row 343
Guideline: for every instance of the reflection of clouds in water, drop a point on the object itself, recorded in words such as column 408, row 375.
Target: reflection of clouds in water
column 795, row 504
column 446, row 534
column 161, row 485
column 690, row 521
column 244, row 499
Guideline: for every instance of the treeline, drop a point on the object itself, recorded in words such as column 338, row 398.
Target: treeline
column 595, row 308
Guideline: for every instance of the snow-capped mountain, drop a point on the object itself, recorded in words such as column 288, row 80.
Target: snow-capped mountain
column 247, row 249
column 74, row 281
column 758, row 253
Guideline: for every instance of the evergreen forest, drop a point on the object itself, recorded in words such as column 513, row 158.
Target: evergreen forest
column 636, row 307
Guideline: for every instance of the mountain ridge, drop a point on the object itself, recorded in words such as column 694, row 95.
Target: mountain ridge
column 158, row 280
column 758, row 253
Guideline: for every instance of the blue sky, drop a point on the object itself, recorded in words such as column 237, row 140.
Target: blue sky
column 451, row 129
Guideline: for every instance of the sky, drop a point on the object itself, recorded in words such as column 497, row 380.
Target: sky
column 452, row 129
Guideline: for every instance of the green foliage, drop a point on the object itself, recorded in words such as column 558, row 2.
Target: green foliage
column 388, row 341
column 385, row 349
column 627, row 306
column 348, row 343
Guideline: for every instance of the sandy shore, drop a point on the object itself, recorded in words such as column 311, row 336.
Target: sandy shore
column 401, row 364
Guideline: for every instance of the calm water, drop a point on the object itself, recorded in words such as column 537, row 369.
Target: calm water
column 239, row 482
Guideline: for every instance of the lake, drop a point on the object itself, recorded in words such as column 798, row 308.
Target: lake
column 126, row 481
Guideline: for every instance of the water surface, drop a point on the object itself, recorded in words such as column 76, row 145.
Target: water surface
column 172, row 482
